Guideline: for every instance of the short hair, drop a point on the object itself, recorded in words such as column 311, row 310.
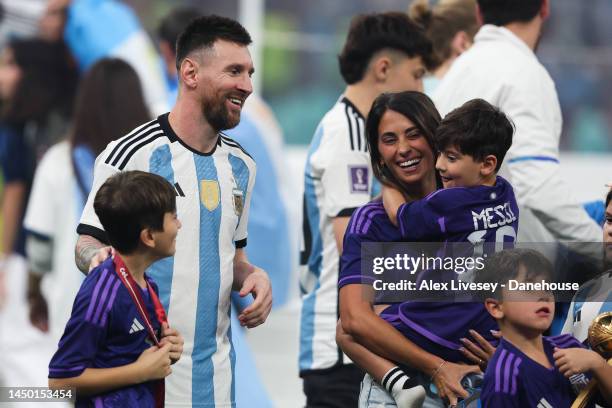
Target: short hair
column 505, row 265
column 503, row 12
column 608, row 198
column 173, row 24
column 131, row 201
column 203, row 31
column 415, row 106
column 442, row 22
column 370, row 33
column 477, row 129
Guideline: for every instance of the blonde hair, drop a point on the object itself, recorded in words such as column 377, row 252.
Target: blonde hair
column 442, row 22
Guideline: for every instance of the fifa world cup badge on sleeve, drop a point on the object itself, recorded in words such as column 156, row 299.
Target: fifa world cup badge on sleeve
column 209, row 194
column 238, row 201
column 358, row 176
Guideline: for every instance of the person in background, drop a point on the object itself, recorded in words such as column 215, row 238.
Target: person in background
column 451, row 26
column 384, row 52
column 109, row 103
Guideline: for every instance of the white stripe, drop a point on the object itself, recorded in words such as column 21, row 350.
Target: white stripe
column 544, row 404
column 185, row 281
column 222, row 379
column 135, row 146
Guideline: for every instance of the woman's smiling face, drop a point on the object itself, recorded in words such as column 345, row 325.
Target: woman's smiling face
column 403, row 148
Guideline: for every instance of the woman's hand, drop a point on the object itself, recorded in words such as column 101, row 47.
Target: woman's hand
column 448, row 380
column 480, row 352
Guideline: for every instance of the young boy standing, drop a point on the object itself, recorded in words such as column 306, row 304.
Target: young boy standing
column 117, row 347
column 529, row 369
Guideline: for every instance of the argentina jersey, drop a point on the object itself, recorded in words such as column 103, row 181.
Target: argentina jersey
column 338, row 179
column 592, row 299
column 213, row 195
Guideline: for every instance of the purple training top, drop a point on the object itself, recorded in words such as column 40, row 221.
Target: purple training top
column 105, row 330
column 475, row 214
column 513, row 380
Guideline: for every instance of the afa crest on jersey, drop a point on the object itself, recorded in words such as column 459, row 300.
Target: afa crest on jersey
column 209, row 194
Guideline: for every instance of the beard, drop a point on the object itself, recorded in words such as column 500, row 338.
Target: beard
column 217, row 115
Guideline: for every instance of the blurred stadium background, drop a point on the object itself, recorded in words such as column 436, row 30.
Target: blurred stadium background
column 295, row 48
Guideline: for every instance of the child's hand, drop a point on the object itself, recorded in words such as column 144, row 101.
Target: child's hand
column 154, row 363
column 174, row 338
column 392, row 200
column 577, row 360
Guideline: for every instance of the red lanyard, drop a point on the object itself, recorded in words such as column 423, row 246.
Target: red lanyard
column 134, row 291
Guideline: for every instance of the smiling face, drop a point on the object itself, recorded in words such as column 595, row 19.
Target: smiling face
column 457, row 169
column 165, row 240
column 225, row 83
column 403, row 148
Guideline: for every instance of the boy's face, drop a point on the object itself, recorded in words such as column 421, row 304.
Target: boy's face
column 525, row 311
column 457, row 169
column 165, row 241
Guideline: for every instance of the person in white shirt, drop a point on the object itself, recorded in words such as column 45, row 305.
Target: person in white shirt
column 502, row 68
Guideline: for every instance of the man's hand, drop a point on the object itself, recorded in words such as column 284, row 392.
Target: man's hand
column 174, row 338
column 258, row 284
column 100, row 256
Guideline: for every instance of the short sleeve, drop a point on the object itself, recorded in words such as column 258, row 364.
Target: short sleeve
column 84, row 332
column 40, row 212
column 351, row 258
column 347, row 183
column 89, row 223
column 419, row 221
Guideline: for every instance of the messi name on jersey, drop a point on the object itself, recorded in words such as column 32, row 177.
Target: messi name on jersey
column 493, row 217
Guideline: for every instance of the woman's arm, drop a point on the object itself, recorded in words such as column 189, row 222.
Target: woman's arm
column 360, row 322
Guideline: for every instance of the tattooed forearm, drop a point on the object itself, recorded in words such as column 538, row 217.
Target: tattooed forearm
column 86, row 249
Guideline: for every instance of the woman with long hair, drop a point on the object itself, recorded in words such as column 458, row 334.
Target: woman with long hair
column 109, row 104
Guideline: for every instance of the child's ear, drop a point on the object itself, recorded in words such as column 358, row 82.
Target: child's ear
column 494, row 307
column 489, row 164
column 147, row 238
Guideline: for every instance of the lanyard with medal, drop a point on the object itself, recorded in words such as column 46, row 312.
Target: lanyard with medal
column 134, row 291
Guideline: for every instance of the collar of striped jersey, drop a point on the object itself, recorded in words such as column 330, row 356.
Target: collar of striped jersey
column 348, row 102
column 164, row 123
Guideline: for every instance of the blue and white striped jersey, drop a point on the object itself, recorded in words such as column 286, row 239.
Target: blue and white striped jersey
column 338, row 179
column 592, row 299
column 213, row 196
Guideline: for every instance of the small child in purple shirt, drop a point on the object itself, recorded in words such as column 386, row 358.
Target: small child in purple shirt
column 117, row 346
column 529, row 369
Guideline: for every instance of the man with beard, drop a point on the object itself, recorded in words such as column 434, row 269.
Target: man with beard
column 213, row 178
column 503, row 69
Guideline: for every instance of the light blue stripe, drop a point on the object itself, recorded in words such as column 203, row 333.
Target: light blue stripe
column 314, row 261
column 205, row 343
column 94, row 28
column 533, row 158
column 160, row 163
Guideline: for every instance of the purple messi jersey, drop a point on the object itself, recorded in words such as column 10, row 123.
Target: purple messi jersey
column 514, row 380
column 475, row 214
column 106, row 330
column 462, row 214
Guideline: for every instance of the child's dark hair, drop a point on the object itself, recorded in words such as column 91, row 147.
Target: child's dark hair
column 203, row 31
column 505, row 265
column 477, row 129
column 371, row 33
column 609, row 197
column 131, row 201
column 502, row 12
